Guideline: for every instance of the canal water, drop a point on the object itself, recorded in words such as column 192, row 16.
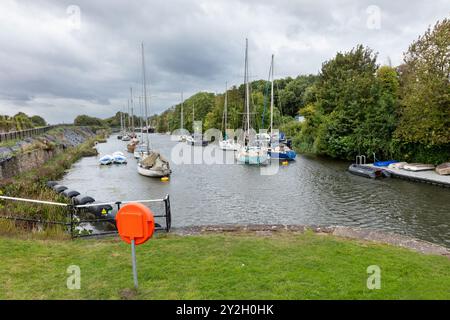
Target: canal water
column 311, row 190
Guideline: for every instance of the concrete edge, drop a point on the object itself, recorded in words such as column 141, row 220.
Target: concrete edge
column 339, row 231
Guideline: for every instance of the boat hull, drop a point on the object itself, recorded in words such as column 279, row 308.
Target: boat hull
column 154, row 173
column 384, row 163
column 287, row 155
column 443, row 169
column 228, row 146
column 368, row 172
column 105, row 160
column 418, row 167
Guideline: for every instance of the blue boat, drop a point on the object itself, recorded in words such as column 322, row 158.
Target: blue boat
column 119, row 159
column 282, row 155
column 384, row 163
column 105, row 160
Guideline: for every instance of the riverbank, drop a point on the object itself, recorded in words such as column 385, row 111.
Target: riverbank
column 241, row 265
column 19, row 156
column 30, row 182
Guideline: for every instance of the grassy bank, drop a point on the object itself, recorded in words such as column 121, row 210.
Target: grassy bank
column 238, row 266
column 32, row 184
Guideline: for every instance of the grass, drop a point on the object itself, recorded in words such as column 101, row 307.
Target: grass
column 233, row 266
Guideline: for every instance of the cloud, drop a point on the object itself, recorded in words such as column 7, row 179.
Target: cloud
column 50, row 65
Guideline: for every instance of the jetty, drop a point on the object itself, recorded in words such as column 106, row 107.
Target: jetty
column 428, row 176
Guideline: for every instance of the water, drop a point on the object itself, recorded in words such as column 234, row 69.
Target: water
column 308, row 191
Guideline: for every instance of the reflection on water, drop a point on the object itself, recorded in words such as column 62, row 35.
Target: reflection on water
column 307, row 191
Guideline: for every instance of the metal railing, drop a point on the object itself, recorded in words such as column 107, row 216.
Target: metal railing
column 74, row 215
column 22, row 134
column 361, row 160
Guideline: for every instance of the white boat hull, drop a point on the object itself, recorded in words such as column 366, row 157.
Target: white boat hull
column 227, row 145
column 153, row 173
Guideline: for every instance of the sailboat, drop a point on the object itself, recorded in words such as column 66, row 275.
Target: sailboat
column 134, row 141
column 277, row 149
column 141, row 150
column 154, row 164
column 226, row 143
column 190, row 139
column 182, row 137
column 250, row 151
column 121, row 133
column 196, row 138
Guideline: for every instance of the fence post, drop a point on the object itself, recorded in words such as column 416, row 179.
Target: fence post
column 71, row 207
column 168, row 214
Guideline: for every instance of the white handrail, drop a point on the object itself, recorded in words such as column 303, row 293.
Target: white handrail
column 35, row 201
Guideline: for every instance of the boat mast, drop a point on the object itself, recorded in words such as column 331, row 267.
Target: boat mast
column 141, row 110
column 128, row 112
column 271, row 100
column 247, row 92
column 193, row 116
column 132, row 111
column 144, row 88
column 182, row 115
column 121, row 121
column 226, row 110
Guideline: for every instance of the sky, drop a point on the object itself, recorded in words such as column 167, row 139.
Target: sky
column 59, row 59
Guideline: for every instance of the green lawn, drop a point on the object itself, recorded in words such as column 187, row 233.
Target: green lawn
column 243, row 266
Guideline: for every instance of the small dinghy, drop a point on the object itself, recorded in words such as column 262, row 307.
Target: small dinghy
column 418, row 167
column 384, row 163
column 154, row 165
column 397, row 165
column 106, row 159
column 443, row 169
column 119, row 158
column 368, row 172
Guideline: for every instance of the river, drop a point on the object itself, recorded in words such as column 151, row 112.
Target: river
column 311, row 190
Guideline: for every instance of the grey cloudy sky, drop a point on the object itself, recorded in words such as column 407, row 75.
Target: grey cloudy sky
column 52, row 66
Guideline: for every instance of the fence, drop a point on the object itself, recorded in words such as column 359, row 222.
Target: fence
column 14, row 135
column 78, row 219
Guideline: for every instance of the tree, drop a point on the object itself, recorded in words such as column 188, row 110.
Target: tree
column 424, row 126
column 351, row 109
column 293, row 95
column 38, row 121
column 84, row 120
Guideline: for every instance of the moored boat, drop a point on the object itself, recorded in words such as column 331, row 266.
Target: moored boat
column 105, row 160
column 252, row 155
column 397, row 165
column 140, row 151
column 418, row 167
column 229, row 144
column 282, row 152
column 277, row 146
column 119, row 158
column 443, row 169
column 368, row 172
column 384, row 163
column 154, row 165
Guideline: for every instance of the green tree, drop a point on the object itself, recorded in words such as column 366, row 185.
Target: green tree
column 424, row 127
column 38, row 121
column 85, row 120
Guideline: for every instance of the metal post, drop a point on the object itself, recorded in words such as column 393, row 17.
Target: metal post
column 133, row 258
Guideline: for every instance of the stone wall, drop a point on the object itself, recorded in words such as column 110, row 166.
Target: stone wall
column 33, row 152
